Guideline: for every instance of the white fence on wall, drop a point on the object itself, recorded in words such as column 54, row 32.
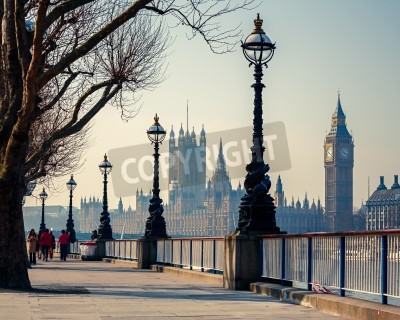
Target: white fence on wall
column 122, row 249
column 203, row 254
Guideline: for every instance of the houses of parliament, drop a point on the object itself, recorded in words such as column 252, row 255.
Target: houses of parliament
column 200, row 207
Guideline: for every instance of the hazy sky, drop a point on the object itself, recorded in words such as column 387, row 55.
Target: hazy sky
column 322, row 46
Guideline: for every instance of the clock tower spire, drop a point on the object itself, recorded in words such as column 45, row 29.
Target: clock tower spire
column 339, row 163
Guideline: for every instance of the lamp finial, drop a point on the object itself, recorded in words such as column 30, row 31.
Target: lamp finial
column 258, row 24
column 156, row 120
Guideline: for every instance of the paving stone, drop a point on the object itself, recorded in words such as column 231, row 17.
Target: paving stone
column 97, row 290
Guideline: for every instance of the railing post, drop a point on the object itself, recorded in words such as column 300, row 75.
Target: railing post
column 261, row 260
column 172, row 253
column 283, row 261
column 181, row 259
column 214, row 257
column 191, row 254
column 309, row 264
column 202, row 255
column 164, row 253
column 384, row 268
column 137, row 256
column 130, row 250
column 342, row 262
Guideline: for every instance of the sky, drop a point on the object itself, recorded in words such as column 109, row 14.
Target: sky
column 322, row 46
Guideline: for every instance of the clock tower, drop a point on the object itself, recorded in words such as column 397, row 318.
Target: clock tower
column 339, row 163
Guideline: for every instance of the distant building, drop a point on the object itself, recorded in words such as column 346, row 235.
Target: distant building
column 298, row 217
column 193, row 208
column 383, row 207
column 90, row 214
column 54, row 216
column 339, row 163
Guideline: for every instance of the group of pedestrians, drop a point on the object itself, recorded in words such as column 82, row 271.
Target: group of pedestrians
column 44, row 244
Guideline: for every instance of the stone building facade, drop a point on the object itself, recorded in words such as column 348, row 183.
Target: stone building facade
column 89, row 218
column 382, row 209
column 298, row 217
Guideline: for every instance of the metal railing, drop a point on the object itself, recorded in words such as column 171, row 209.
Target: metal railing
column 202, row 254
column 366, row 262
column 74, row 248
column 122, row 249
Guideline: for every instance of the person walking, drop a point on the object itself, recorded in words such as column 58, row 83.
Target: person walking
column 53, row 246
column 38, row 246
column 46, row 241
column 32, row 241
column 63, row 241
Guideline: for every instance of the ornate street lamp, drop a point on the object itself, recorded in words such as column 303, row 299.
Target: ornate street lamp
column 105, row 230
column 257, row 210
column 71, row 185
column 43, row 195
column 155, row 223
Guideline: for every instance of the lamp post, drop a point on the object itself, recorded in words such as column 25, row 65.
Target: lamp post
column 43, row 195
column 105, row 230
column 155, row 223
column 257, row 210
column 71, row 185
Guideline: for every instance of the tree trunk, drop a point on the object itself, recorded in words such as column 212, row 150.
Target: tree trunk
column 13, row 253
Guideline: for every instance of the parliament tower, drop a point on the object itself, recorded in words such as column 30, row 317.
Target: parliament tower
column 339, row 163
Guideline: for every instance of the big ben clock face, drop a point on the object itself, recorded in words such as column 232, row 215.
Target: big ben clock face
column 329, row 152
column 345, row 153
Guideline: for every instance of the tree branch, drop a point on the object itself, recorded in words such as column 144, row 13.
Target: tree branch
column 94, row 40
column 62, row 9
column 51, row 104
column 69, row 130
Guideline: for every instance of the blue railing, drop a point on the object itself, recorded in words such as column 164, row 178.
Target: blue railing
column 201, row 254
column 364, row 262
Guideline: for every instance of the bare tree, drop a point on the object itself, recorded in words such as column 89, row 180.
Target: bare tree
column 61, row 62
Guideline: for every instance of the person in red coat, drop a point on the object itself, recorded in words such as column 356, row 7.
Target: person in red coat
column 46, row 241
column 63, row 240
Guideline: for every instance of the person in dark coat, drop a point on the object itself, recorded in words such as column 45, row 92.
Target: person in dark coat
column 53, row 246
column 63, row 240
column 94, row 235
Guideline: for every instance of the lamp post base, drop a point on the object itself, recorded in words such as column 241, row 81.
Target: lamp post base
column 105, row 230
column 257, row 214
column 156, row 227
column 155, row 223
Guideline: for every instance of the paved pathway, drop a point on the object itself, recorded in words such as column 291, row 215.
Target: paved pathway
column 96, row 290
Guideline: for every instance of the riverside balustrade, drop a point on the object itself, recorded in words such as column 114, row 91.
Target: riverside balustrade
column 121, row 249
column 360, row 262
column 201, row 254
column 74, row 248
column 365, row 262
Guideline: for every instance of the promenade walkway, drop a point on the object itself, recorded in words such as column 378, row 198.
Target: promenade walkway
column 96, row 290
